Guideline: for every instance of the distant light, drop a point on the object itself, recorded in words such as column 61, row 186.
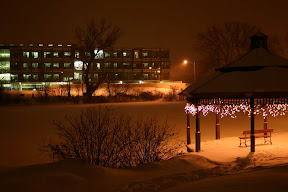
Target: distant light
column 34, row 89
column 158, row 71
column 121, row 82
column 185, row 61
column 61, row 82
column 140, row 82
column 150, row 67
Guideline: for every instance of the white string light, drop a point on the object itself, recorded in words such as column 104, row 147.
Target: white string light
column 231, row 110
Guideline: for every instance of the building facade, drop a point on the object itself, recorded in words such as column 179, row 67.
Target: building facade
column 30, row 66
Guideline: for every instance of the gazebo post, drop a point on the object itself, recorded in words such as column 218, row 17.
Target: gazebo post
column 252, row 125
column 188, row 130
column 265, row 124
column 217, row 126
column 197, row 133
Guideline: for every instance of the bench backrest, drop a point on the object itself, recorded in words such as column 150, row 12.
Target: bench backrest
column 258, row 131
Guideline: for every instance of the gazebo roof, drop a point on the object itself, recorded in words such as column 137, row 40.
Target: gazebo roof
column 257, row 73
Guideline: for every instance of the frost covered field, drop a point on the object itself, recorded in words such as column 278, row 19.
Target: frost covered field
column 221, row 165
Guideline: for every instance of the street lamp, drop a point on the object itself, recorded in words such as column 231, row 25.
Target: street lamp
column 194, row 67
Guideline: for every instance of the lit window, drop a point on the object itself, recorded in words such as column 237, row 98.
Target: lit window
column 47, row 76
column 145, row 65
column 145, row 76
column 26, row 54
column 67, row 54
column 14, row 77
column 98, row 54
column 98, row 66
column 115, row 65
column 35, row 77
column 47, row 65
column 67, row 65
column 96, row 76
column 126, row 65
column 50, row 45
column 35, row 65
column 77, row 76
column 26, row 76
column 124, row 54
column 25, row 66
column 56, row 65
column 78, row 65
column 40, row 45
column 55, row 54
column 47, row 54
column 5, row 53
column 107, row 54
column 31, row 45
column 56, row 76
column 136, row 54
column 107, row 65
column 35, row 54
column 77, row 54
column 145, row 54
column 115, row 54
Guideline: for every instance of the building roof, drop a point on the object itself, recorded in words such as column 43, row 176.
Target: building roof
column 256, row 72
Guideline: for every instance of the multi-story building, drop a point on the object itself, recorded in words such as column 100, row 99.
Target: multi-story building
column 34, row 66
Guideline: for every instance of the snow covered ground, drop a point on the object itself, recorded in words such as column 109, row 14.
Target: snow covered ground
column 220, row 166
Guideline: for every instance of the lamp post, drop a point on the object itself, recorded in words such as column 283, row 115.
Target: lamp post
column 194, row 67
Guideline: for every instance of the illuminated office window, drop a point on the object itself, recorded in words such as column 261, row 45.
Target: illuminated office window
column 47, row 65
column 47, row 54
column 35, row 54
column 26, row 54
column 56, row 65
column 47, row 76
column 36, row 77
column 67, row 54
column 35, row 65
column 67, row 65
column 56, row 76
column 55, row 54
column 4, row 53
column 25, row 66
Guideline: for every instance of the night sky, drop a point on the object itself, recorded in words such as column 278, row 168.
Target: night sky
column 148, row 24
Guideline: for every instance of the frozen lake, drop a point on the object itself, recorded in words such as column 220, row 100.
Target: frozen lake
column 24, row 128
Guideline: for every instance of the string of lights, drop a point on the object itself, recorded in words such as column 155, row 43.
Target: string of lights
column 231, row 110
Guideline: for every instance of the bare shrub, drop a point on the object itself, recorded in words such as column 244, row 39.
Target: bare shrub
column 103, row 136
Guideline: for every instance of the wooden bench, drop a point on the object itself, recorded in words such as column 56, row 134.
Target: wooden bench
column 267, row 134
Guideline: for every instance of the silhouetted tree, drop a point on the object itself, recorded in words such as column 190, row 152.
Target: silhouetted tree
column 221, row 44
column 91, row 39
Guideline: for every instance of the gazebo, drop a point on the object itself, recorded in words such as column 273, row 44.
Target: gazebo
column 256, row 83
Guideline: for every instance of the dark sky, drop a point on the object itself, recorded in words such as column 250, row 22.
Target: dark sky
column 149, row 23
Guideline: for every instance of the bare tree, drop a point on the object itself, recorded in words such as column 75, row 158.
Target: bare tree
column 91, row 39
column 221, row 44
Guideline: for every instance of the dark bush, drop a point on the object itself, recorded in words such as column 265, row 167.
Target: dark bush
column 102, row 136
